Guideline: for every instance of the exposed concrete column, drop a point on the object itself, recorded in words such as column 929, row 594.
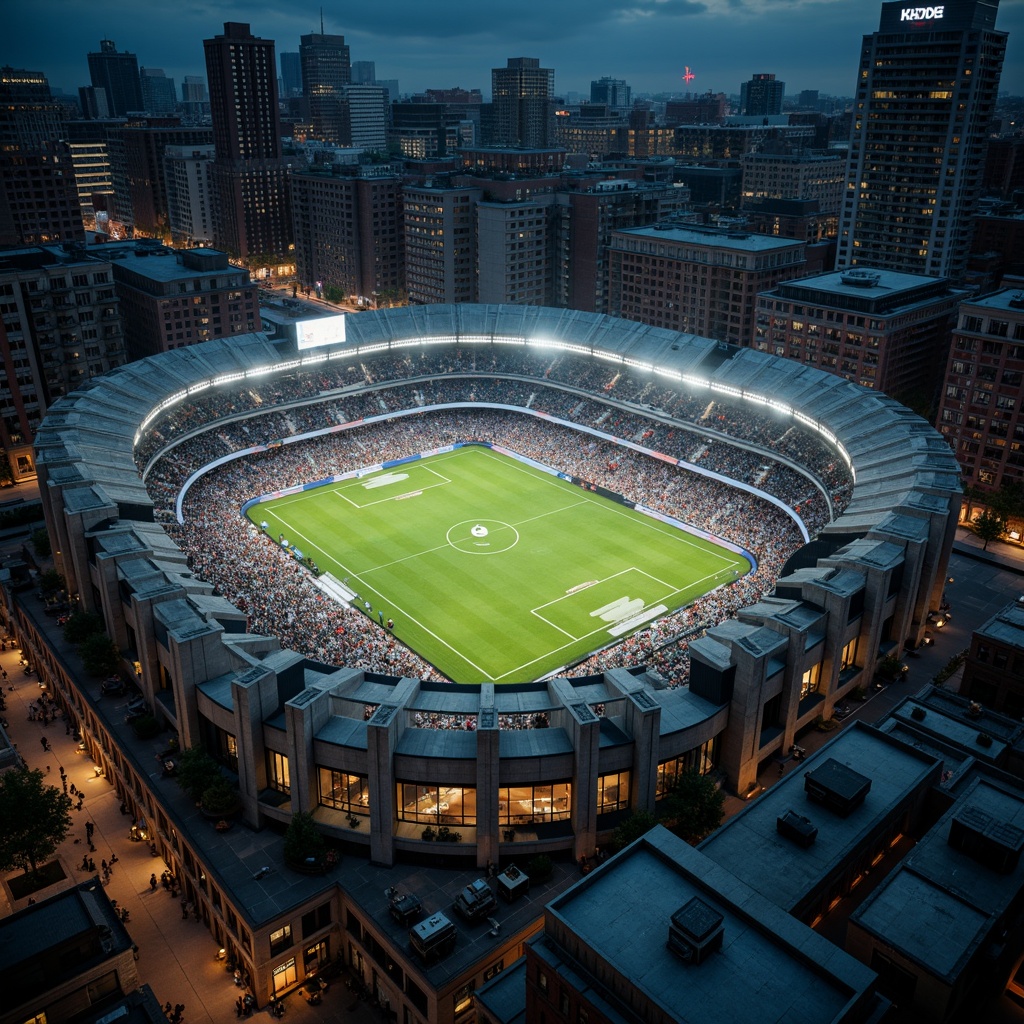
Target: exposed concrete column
column 488, row 740
column 584, row 729
column 253, row 695
column 642, row 721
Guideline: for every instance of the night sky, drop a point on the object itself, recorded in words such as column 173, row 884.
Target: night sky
column 649, row 43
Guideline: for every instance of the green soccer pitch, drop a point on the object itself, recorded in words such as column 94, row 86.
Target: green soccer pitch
column 494, row 571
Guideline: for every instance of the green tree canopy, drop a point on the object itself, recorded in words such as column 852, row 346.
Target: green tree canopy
column 196, row 772
column 41, row 542
column 302, row 839
column 989, row 526
column 51, row 582
column 632, row 828
column 82, row 625
column 99, row 654
column 34, row 819
column 694, row 807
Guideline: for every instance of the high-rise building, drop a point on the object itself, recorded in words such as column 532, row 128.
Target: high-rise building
column 762, row 96
column 364, row 110
column 93, row 102
column 926, row 93
column 158, row 93
column 364, row 72
column 348, row 232
column 697, row 280
column 38, row 198
column 60, row 324
column 195, row 100
column 878, row 328
column 982, row 408
column 440, row 242
column 326, row 70
column 252, row 217
column 118, row 73
column 291, row 75
column 522, row 95
column 188, row 176
column 612, row 91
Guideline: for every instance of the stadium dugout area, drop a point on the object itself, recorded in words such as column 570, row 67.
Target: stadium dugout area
column 139, row 466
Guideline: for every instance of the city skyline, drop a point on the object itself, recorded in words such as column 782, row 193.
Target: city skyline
column 648, row 43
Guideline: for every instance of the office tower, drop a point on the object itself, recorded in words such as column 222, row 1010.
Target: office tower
column 195, row 100
column 522, row 95
column 94, row 102
column 188, row 176
column 364, row 72
column 925, row 98
column 250, row 196
column 612, row 91
column 158, row 93
column 808, row 99
column 326, row 70
column 762, row 95
column 291, row 75
column 38, row 199
column 364, row 110
column 348, row 232
column 118, row 73
column 424, row 131
column 91, row 164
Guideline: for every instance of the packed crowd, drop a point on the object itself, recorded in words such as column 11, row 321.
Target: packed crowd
column 309, row 405
column 259, row 577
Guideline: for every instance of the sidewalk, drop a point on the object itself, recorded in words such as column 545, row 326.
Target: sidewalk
column 176, row 956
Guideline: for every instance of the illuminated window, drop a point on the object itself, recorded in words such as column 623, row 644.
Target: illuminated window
column 527, row 805
column 343, row 792
column 613, row 792
column 277, row 772
column 437, row 805
column 280, row 940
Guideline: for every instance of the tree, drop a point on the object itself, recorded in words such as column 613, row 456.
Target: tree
column 50, row 583
column 34, row 819
column 82, row 625
column 694, row 807
column 99, row 655
column 196, row 772
column 302, row 840
column 633, row 828
column 41, row 542
column 989, row 526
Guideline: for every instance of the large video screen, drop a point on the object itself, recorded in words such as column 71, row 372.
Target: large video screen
column 324, row 330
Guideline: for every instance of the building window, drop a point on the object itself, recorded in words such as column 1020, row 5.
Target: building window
column 613, row 792
column 702, row 759
column 315, row 920
column 810, row 680
column 436, row 805
column 848, row 659
column 343, row 792
column 527, row 805
column 280, row 940
column 277, row 772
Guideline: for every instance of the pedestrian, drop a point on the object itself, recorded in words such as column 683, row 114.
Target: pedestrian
column 74, row 791
column 782, row 769
column 184, row 908
column 63, row 774
column 167, row 1009
column 42, row 740
column 135, row 951
column 380, row 615
column 152, row 882
column 47, row 769
column 92, row 864
column 391, row 623
column 85, row 862
column 113, row 859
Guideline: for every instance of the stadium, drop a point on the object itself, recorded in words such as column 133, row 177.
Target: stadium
column 214, row 505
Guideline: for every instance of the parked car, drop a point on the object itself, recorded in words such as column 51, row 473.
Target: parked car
column 114, row 686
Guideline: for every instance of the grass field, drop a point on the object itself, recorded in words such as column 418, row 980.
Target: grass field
column 494, row 571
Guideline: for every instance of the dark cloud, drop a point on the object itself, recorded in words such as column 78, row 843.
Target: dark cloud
column 809, row 44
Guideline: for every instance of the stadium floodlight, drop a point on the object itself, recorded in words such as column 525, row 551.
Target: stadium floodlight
column 227, row 378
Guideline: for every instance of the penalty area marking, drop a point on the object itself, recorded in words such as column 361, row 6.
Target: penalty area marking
column 364, row 484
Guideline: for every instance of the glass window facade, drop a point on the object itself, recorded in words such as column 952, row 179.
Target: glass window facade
column 436, row 805
column 612, row 792
column 277, row 772
column 702, row 759
column 344, row 792
column 528, row 805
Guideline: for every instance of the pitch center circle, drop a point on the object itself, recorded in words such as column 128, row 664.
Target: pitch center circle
column 482, row 536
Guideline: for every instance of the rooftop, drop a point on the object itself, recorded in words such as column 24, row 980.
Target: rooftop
column 741, row 241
